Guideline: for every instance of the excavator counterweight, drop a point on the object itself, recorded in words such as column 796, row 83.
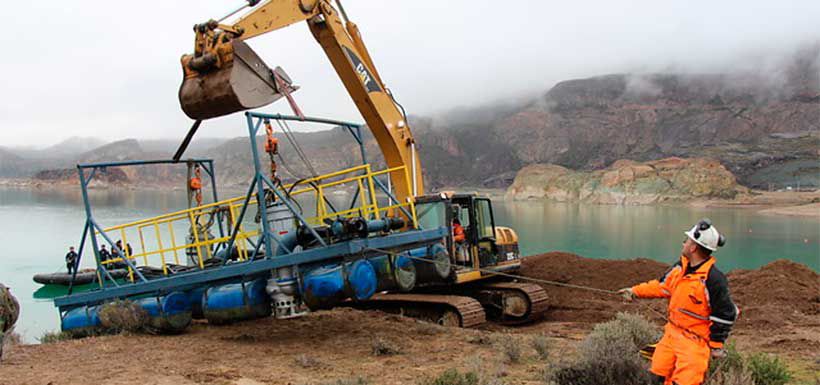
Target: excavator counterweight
column 235, row 79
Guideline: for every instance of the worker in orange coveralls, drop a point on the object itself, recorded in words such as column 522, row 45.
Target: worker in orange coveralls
column 195, row 185
column 701, row 311
column 458, row 231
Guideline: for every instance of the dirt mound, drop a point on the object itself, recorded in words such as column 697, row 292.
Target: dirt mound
column 573, row 305
column 599, row 273
column 782, row 291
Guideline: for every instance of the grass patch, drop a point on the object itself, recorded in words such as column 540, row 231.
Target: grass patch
column 768, row 369
column 123, row 316
column 752, row 369
column 542, row 346
column 56, row 336
column 428, row 329
column 453, row 377
column 608, row 355
column 348, row 381
column 510, row 348
column 481, row 339
column 383, row 347
column 489, row 372
column 307, row 361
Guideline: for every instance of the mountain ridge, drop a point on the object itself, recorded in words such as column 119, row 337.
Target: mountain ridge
column 762, row 128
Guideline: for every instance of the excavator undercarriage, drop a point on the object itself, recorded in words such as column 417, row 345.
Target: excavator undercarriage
column 507, row 303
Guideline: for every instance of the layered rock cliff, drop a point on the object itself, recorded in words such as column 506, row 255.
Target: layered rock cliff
column 628, row 182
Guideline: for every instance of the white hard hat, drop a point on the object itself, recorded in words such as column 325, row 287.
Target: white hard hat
column 706, row 235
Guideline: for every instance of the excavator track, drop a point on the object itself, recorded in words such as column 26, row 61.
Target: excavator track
column 511, row 303
column 447, row 310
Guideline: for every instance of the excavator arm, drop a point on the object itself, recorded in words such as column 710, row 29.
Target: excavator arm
column 217, row 46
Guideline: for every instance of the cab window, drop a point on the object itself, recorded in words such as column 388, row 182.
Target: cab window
column 431, row 215
column 484, row 219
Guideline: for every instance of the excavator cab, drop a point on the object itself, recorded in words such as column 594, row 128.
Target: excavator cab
column 485, row 248
column 224, row 75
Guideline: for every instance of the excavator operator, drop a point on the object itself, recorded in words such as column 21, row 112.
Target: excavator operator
column 701, row 311
column 458, row 231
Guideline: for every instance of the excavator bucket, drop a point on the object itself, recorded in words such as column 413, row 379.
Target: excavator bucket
column 242, row 82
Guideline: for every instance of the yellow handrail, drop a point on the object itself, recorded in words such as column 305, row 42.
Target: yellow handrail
column 200, row 241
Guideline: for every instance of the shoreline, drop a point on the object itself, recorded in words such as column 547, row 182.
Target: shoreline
column 797, row 204
column 804, row 204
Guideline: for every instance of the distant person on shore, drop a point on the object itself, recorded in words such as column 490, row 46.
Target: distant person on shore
column 71, row 260
column 127, row 250
column 104, row 256
column 701, row 311
column 9, row 311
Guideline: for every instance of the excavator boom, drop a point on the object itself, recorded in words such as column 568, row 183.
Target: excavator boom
column 223, row 76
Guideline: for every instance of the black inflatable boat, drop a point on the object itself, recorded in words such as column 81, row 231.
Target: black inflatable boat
column 83, row 277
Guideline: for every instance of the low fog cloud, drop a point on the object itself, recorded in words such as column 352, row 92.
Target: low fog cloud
column 111, row 70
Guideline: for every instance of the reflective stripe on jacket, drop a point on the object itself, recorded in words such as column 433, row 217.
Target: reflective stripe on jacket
column 699, row 300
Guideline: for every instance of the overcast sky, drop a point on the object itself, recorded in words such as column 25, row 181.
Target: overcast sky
column 110, row 69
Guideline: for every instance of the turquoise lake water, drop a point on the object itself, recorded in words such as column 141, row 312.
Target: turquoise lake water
column 37, row 226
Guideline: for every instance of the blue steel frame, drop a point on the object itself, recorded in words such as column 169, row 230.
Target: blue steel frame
column 362, row 248
column 91, row 224
column 354, row 129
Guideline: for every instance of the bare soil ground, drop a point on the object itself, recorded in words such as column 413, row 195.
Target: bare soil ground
column 780, row 306
column 807, row 210
column 782, row 203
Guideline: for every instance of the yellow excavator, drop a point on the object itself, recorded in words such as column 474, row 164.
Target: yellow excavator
column 223, row 75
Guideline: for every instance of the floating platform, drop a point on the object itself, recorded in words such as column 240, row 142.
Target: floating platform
column 301, row 253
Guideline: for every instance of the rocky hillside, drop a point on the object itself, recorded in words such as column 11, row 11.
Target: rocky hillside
column 628, row 182
column 11, row 164
column 762, row 127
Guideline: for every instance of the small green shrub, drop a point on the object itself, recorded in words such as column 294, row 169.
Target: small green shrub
column 609, row 355
column 620, row 372
column 510, row 349
column 488, row 372
column 753, row 369
column 731, row 376
column 542, row 346
column 382, row 347
column 453, row 377
column 52, row 337
column 623, row 336
column 768, row 369
column 123, row 316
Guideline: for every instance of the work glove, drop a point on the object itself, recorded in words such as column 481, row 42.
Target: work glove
column 627, row 293
column 718, row 353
